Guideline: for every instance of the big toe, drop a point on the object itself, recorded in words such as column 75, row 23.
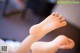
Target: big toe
column 63, row 23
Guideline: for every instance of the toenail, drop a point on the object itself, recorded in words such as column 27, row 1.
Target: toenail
column 53, row 13
column 56, row 14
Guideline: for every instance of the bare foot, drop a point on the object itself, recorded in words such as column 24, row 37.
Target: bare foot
column 61, row 42
column 52, row 22
column 37, row 31
column 69, row 45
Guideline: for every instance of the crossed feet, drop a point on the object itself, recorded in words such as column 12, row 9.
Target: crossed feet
column 52, row 22
column 38, row 31
column 61, row 42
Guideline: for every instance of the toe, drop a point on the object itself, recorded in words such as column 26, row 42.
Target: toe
column 53, row 14
column 63, row 23
column 72, row 42
column 62, row 18
column 57, row 14
column 66, row 47
column 69, row 47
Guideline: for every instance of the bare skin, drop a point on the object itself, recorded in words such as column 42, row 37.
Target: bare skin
column 61, row 42
column 52, row 22
column 37, row 31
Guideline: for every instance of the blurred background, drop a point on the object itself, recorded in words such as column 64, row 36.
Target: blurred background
column 17, row 16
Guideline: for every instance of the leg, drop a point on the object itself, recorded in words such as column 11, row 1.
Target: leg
column 61, row 42
column 52, row 22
